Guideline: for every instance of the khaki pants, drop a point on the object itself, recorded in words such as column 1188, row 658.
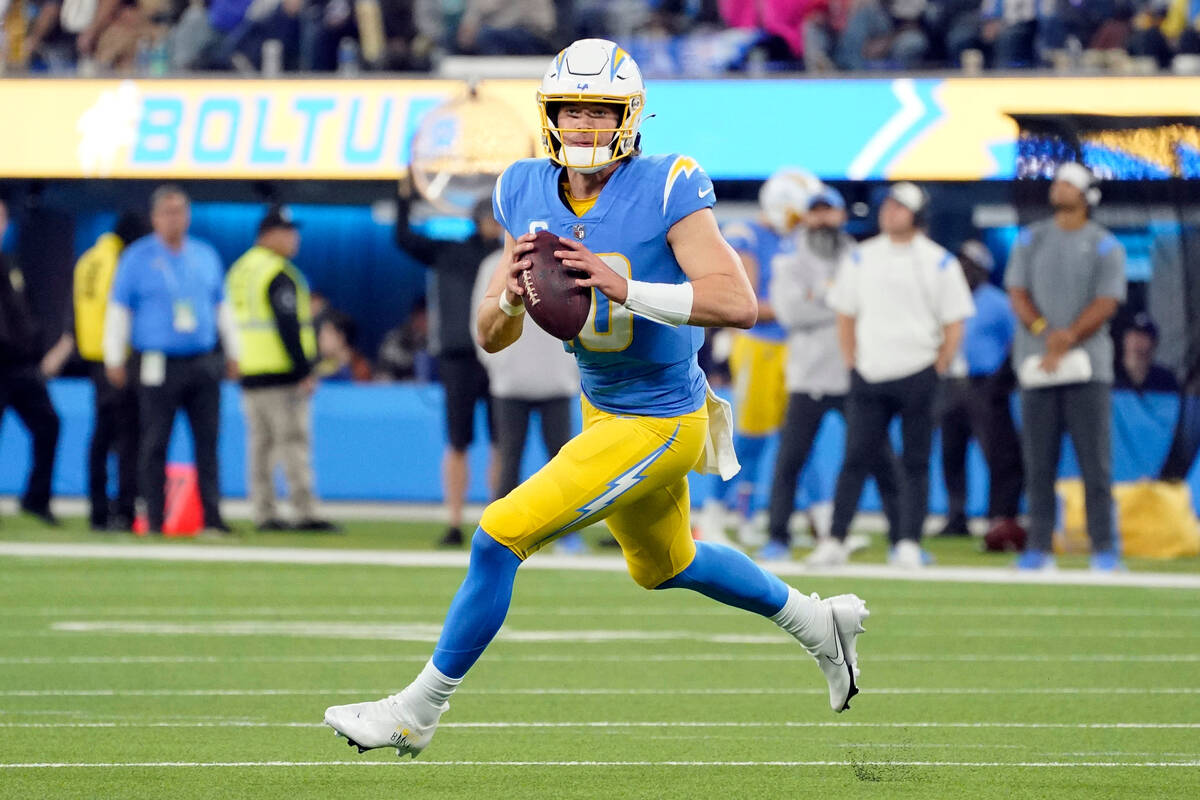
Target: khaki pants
column 278, row 425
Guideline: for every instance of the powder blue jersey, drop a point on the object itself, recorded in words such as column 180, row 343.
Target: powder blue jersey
column 627, row 364
column 762, row 242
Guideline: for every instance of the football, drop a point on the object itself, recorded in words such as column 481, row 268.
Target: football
column 551, row 297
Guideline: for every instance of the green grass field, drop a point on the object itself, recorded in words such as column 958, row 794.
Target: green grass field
column 133, row 679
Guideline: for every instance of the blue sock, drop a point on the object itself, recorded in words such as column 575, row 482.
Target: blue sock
column 479, row 608
column 730, row 577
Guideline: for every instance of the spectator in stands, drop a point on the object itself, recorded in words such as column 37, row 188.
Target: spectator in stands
column 901, row 301
column 506, row 27
column 534, row 374
column 277, row 349
column 115, row 428
column 120, row 28
column 49, row 42
column 1147, row 37
column 1066, row 278
column 452, row 270
column 404, row 352
column 1137, row 369
column 168, row 301
column 1163, row 28
column 340, row 361
column 883, row 33
column 782, row 23
column 975, row 400
column 823, row 26
column 1013, row 30
column 23, row 382
column 817, row 378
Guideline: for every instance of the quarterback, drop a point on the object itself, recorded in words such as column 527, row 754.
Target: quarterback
column 642, row 229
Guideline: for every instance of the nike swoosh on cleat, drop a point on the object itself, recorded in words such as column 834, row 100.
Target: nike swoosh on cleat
column 841, row 655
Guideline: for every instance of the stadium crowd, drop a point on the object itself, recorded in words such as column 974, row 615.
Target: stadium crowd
column 668, row 37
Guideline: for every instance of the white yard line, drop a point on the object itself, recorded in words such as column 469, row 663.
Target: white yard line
column 343, row 658
column 165, row 551
column 409, row 764
column 429, row 632
column 586, row 692
column 650, row 609
column 242, row 723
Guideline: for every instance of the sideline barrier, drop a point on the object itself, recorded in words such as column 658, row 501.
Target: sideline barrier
column 384, row 442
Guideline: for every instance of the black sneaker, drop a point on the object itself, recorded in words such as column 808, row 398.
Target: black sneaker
column 955, row 526
column 271, row 526
column 453, row 537
column 43, row 514
column 217, row 527
column 317, row 526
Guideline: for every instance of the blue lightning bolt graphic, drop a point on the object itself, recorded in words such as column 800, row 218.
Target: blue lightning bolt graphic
column 617, row 487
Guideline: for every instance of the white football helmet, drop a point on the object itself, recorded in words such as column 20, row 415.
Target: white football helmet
column 784, row 197
column 592, row 71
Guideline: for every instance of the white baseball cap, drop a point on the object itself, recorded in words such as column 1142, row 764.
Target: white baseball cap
column 910, row 196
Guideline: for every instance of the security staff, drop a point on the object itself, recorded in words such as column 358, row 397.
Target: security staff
column 901, row 301
column 277, row 348
column 168, row 299
column 23, row 383
column 116, row 422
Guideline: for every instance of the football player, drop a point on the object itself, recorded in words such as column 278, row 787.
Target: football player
column 757, row 356
column 643, row 231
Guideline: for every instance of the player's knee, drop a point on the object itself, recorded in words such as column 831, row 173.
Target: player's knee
column 486, row 551
column 644, row 577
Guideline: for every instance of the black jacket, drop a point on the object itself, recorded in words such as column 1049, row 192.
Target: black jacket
column 20, row 333
column 454, row 267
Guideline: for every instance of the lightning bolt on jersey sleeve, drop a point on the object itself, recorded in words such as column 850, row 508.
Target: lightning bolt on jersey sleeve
column 687, row 189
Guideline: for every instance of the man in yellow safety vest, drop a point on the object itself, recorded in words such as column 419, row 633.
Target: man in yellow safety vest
column 278, row 347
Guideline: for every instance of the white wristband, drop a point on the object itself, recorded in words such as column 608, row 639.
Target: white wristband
column 508, row 308
column 668, row 303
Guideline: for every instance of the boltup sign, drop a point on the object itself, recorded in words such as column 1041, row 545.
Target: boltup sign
column 914, row 128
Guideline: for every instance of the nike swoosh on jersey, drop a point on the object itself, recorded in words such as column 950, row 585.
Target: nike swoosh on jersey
column 703, row 192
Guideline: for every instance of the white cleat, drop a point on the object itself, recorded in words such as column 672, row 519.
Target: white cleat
column 382, row 723
column 828, row 553
column 838, row 654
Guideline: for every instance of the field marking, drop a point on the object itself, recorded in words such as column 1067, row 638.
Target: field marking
column 242, row 723
column 430, row 632
column 649, row 609
column 585, row 692
column 338, row 658
column 165, row 551
column 409, row 764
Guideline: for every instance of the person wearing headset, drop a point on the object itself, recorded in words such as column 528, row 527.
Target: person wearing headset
column 900, row 299
column 1066, row 278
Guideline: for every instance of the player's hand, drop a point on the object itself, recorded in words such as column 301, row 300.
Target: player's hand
column 575, row 255
column 231, row 370
column 512, row 283
column 116, row 376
